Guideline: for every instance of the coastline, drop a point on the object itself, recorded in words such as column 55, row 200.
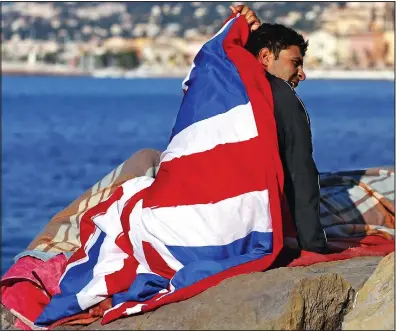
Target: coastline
column 19, row 69
column 351, row 74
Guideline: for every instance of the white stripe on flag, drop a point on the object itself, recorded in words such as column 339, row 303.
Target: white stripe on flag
column 111, row 259
column 109, row 222
column 133, row 186
column 184, row 86
column 210, row 224
column 235, row 125
column 93, row 293
column 135, row 235
column 141, row 269
column 135, row 309
column 113, row 308
column 138, row 233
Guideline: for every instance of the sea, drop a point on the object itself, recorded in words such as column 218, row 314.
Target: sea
column 60, row 135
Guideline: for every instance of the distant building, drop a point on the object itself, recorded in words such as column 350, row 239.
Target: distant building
column 322, row 50
column 368, row 50
column 358, row 17
column 389, row 40
column 95, row 35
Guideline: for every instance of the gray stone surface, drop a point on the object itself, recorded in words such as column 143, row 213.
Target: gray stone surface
column 7, row 319
column 375, row 303
column 311, row 298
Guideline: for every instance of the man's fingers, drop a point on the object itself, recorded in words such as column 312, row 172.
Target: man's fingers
column 233, row 9
column 245, row 10
column 252, row 19
column 236, row 9
column 255, row 26
column 249, row 14
column 239, row 8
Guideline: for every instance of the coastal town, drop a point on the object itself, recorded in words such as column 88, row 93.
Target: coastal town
column 143, row 39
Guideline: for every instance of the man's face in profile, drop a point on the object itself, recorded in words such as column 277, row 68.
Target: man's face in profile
column 288, row 66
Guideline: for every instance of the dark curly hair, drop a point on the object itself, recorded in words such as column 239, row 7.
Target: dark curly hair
column 275, row 37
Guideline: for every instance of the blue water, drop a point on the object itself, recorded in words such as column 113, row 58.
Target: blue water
column 60, row 135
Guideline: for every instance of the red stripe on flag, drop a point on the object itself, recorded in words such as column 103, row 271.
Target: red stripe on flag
column 77, row 255
column 226, row 171
column 118, row 312
column 86, row 221
column 230, row 18
column 155, row 261
column 87, row 226
column 123, row 242
column 122, row 279
column 127, row 210
column 260, row 95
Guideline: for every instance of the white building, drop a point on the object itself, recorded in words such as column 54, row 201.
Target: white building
column 322, row 49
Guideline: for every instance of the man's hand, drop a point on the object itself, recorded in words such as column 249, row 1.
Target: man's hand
column 249, row 14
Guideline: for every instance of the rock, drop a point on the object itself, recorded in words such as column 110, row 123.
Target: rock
column 375, row 303
column 316, row 297
column 312, row 298
column 7, row 319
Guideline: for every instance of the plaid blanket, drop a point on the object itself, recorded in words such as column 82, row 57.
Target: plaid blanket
column 358, row 203
column 62, row 233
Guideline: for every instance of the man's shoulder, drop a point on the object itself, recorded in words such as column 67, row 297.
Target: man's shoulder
column 286, row 100
column 282, row 91
column 279, row 85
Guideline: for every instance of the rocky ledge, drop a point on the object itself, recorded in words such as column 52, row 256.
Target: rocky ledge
column 335, row 295
column 374, row 305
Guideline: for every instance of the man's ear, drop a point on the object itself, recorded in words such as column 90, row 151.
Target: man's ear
column 265, row 56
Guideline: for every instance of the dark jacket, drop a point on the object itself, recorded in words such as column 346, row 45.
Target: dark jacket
column 301, row 175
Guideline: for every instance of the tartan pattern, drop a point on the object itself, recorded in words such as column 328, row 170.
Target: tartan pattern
column 62, row 233
column 358, row 203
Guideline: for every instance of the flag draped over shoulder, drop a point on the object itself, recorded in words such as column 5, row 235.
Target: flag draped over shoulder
column 213, row 211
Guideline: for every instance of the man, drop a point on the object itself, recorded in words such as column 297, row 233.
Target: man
column 280, row 50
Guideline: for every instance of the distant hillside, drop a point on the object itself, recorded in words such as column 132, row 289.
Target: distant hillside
column 83, row 20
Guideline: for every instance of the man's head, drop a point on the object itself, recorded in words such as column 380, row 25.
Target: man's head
column 280, row 50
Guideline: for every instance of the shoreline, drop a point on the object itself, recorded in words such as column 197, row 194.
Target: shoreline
column 351, row 74
column 317, row 74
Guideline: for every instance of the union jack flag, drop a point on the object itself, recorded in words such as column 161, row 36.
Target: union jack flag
column 212, row 212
